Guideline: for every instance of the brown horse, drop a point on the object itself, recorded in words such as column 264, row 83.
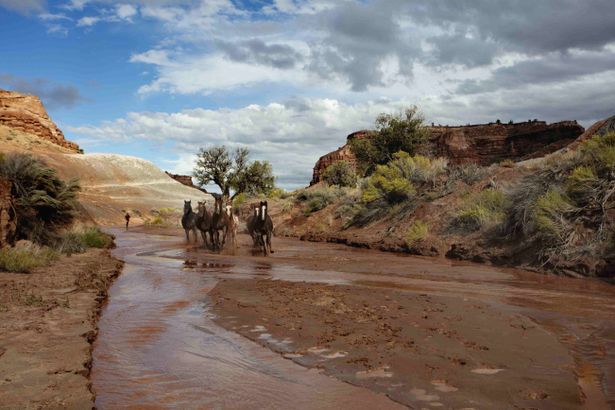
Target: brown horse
column 263, row 227
column 219, row 222
column 233, row 224
column 203, row 222
column 250, row 224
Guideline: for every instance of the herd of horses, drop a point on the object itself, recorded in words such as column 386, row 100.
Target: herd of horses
column 222, row 224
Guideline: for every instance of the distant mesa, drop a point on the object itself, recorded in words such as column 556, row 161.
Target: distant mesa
column 26, row 113
column 482, row 144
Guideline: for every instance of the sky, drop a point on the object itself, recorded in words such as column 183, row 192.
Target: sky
column 289, row 79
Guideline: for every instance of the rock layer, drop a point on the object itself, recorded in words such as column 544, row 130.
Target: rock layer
column 482, row 144
column 27, row 113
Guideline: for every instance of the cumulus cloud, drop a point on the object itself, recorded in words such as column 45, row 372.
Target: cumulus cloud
column 52, row 95
column 291, row 135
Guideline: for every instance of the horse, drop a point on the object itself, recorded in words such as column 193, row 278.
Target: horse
column 219, row 222
column 250, row 223
column 233, row 224
column 203, row 222
column 189, row 221
column 263, row 228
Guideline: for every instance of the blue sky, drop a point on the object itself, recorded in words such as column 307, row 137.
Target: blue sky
column 289, row 79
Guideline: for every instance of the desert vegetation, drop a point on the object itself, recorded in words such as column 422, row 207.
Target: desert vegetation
column 557, row 214
column 45, row 210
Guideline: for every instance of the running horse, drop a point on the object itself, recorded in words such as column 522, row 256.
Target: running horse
column 189, row 221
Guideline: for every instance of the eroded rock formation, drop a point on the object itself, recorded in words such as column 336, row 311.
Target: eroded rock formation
column 27, row 113
column 186, row 180
column 482, row 144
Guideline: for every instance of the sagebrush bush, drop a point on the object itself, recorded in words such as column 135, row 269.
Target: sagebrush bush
column 79, row 239
column 44, row 204
column 469, row 173
column 22, row 259
column 388, row 183
column 316, row 199
column 550, row 214
column 416, row 233
column 484, row 209
column 340, row 173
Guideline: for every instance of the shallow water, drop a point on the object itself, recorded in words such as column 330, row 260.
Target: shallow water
column 158, row 347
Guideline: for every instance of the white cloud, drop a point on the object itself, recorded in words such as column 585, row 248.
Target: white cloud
column 125, row 11
column 291, row 135
column 24, row 6
column 87, row 21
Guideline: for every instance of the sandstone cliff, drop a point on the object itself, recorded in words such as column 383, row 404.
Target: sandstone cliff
column 483, row 144
column 26, row 113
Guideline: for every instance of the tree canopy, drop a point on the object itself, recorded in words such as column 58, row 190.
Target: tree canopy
column 394, row 133
column 233, row 172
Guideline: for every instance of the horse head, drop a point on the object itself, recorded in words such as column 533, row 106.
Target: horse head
column 187, row 206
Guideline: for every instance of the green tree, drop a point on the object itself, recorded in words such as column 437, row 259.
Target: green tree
column 233, row 172
column 44, row 203
column 394, row 133
column 340, row 173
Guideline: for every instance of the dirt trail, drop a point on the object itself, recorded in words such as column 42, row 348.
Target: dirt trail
column 426, row 332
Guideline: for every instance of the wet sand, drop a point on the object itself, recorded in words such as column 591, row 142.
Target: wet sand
column 425, row 332
column 47, row 325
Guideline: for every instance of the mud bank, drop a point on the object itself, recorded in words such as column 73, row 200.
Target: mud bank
column 47, row 327
column 418, row 349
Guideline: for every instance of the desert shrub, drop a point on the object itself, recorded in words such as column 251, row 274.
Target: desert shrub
column 79, row 239
column 388, row 183
column 507, row 163
column 350, row 205
column 95, row 238
column 44, row 204
column 469, row 173
column 418, row 168
column 156, row 220
column 481, row 210
column 23, row 259
column 316, row 199
column 599, row 153
column 278, row 193
column 551, row 211
column 416, row 233
column 340, row 173
column 394, row 133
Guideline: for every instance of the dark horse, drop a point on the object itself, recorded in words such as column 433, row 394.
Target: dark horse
column 219, row 222
column 203, row 222
column 263, row 228
column 251, row 223
column 189, row 221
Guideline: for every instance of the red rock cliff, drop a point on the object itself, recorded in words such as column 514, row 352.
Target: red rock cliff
column 482, row 143
column 27, row 113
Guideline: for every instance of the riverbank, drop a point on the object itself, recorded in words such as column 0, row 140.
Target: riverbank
column 48, row 322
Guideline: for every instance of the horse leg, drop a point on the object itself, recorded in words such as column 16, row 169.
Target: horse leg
column 264, row 242
column 196, row 236
column 269, row 242
column 187, row 237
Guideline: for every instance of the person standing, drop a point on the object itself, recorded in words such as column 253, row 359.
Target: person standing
column 127, row 218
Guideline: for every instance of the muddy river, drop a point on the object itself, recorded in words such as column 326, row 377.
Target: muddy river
column 159, row 345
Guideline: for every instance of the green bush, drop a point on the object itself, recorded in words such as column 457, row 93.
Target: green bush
column 78, row 240
column 95, row 238
column 44, row 204
column 416, row 233
column 486, row 208
column 23, row 259
column 388, row 183
column 550, row 215
column 340, row 173
column 469, row 173
column 316, row 199
column 394, row 133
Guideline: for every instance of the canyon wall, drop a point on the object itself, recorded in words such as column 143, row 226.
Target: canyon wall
column 27, row 113
column 482, row 144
